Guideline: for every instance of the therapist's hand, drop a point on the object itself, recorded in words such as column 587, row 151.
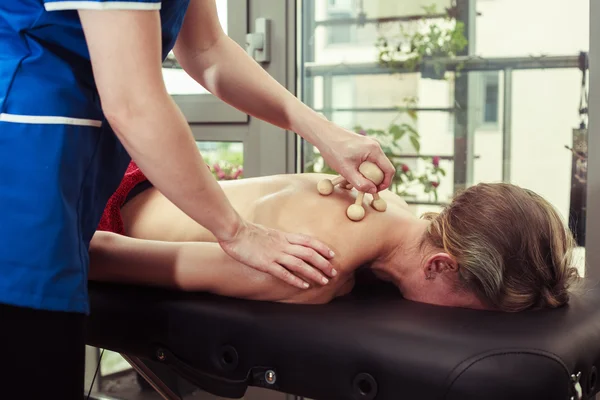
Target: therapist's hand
column 344, row 151
column 286, row 256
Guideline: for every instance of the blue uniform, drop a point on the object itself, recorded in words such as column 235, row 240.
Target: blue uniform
column 59, row 159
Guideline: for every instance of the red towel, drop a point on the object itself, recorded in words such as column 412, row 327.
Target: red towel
column 111, row 219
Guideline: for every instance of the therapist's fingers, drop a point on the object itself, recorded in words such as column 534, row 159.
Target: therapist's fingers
column 315, row 264
column 388, row 169
column 308, row 241
column 359, row 182
column 379, row 158
column 301, row 269
column 281, row 272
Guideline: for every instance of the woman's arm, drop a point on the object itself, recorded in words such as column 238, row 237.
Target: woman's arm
column 187, row 266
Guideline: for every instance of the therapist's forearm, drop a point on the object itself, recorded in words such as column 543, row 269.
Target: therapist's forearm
column 227, row 71
column 157, row 137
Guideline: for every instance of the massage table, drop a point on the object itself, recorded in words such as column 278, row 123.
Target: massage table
column 369, row 345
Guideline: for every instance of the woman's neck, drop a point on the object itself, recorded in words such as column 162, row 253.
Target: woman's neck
column 402, row 256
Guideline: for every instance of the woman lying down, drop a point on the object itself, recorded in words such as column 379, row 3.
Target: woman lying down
column 496, row 246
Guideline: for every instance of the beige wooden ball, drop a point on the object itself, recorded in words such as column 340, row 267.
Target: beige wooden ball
column 371, row 172
column 325, row 187
column 355, row 212
column 379, row 205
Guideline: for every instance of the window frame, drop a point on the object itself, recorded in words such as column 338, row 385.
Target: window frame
column 592, row 253
column 487, row 78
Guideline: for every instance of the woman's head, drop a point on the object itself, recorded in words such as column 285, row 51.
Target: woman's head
column 507, row 246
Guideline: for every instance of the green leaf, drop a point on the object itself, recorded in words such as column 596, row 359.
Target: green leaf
column 411, row 129
column 397, row 132
column 441, row 171
column 375, row 132
column 430, row 9
column 416, row 144
column 412, row 114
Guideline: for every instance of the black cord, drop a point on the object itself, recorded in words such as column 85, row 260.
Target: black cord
column 95, row 373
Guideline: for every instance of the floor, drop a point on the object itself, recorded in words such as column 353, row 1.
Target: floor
column 127, row 387
column 118, row 381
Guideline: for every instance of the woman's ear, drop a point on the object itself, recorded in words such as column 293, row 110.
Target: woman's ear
column 439, row 263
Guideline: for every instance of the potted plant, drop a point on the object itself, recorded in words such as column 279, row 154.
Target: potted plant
column 224, row 163
column 225, row 171
column 430, row 39
column 425, row 43
column 397, row 141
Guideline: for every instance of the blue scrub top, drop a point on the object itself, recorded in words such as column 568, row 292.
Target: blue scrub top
column 59, row 159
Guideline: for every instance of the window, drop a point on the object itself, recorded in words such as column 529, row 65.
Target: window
column 346, row 4
column 543, row 101
column 225, row 159
column 343, row 32
column 490, row 100
column 177, row 81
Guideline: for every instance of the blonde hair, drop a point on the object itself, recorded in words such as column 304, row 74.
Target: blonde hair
column 513, row 250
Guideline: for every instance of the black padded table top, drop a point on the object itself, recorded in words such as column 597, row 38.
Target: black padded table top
column 359, row 347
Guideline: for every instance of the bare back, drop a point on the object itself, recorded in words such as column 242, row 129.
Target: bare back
column 286, row 202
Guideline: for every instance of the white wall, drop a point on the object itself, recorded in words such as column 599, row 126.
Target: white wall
column 523, row 27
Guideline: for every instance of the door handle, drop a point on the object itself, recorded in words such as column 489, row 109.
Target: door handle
column 258, row 43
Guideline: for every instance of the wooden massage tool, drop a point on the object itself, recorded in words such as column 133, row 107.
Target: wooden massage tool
column 356, row 212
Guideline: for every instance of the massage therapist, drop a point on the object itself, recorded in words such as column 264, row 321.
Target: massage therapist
column 81, row 91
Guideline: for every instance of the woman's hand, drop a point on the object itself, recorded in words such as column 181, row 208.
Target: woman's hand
column 283, row 255
column 344, row 151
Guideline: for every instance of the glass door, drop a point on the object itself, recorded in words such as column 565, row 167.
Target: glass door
column 235, row 145
column 197, row 104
